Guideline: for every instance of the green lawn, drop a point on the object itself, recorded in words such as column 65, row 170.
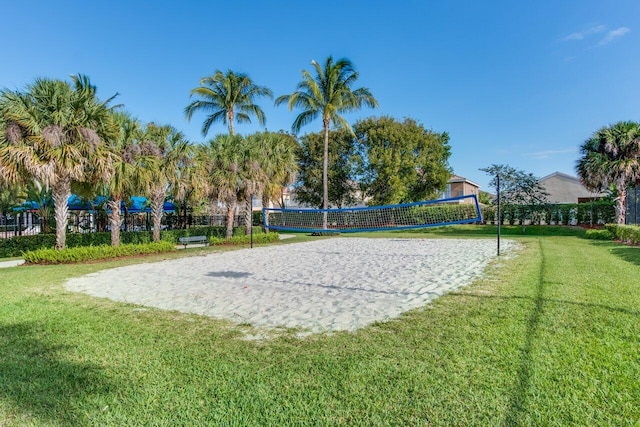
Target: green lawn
column 550, row 338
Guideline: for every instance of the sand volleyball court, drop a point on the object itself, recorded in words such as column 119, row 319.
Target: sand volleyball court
column 330, row 284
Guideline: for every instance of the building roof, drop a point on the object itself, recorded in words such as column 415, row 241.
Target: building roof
column 458, row 178
column 561, row 176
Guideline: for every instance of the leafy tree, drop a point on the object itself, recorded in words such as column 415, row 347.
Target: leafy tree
column 518, row 189
column 167, row 151
column 611, row 158
column 327, row 95
column 485, row 198
column 404, row 162
column 54, row 133
column 345, row 164
column 227, row 98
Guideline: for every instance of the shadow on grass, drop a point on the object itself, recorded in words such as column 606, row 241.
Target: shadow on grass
column 627, row 253
column 40, row 381
column 518, row 402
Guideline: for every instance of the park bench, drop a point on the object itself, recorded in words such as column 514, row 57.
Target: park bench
column 193, row 239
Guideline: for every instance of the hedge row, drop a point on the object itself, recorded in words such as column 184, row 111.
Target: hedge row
column 629, row 234
column 241, row 240
column 599, row 235
column 598, row 212
column 15, row 246
column 94, row 253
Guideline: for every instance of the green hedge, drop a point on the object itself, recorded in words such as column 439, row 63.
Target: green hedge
column 602, row 211
column 94, row 253
column 629, row 234
column 15, row 246
column 599, row 235
column 240, row 240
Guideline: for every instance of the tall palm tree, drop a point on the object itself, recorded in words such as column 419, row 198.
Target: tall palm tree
column 328, row 95
column 611, row 157
column 169, row 150
column 227, row 98
column 54, row 133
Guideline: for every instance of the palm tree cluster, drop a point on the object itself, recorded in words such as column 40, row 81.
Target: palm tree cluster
column 610, row 160
column 59, row 137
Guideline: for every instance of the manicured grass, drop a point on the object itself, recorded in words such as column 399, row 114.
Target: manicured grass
column 550, row 338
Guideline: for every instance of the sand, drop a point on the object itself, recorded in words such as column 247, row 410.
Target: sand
column 325, row 285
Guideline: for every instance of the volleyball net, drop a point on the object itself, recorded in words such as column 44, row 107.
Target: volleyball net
column 431, row 213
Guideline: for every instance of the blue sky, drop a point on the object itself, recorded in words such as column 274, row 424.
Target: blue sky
column 522, row 83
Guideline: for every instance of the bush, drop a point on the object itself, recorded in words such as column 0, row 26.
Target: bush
column 15, row 246
column 241, row 240
column 93, row 253
column 629, row 234
column 599, row 235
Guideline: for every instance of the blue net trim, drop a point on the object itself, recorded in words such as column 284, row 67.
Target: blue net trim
column 431, row 213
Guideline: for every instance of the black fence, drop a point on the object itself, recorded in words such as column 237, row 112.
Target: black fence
column 633, row 206
column 28, row 223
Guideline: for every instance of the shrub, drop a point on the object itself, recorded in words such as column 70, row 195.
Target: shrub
column 241, row 240
column 629, row 234
column 93, row 253
column 599, row 235
column 15, row 246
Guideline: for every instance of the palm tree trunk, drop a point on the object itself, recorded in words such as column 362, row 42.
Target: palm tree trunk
column 621, row 204
column 325, row 174
column 61, row 191
column 231, row 207
column 248, row 216
column 115, row 221
column 157, row 203
column 230, row 117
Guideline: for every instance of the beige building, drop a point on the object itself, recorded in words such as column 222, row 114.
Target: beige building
column 461, row 186
column 563, row 188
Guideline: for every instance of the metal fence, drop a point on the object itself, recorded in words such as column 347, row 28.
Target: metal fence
column 28, row 223
column 633, row 206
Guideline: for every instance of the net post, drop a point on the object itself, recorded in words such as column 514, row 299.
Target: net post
column 499, row 217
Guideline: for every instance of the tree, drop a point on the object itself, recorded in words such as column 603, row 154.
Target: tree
column 328, row 95
column 54, row 133
column 276, row 156
column 126, row 171
column 404, row 162
column 167, row 151
column 518, row 188
column 227, row 98
column 220, row 160
column 611, row 157
column 345, row 164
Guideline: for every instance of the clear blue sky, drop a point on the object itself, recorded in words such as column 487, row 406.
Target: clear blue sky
column 513, row 82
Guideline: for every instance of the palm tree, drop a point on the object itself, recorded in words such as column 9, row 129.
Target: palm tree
column 252, row 177
column 611, row 157
column 167, row 150
column 278, row 162
column 328, row 95
column 220, row 160
column 54, row 133
column 127, row 168
column 227, row 98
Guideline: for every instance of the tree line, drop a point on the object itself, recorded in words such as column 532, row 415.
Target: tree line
column 60, row 137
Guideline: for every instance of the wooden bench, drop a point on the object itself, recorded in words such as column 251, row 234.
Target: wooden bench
column 193, row 239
